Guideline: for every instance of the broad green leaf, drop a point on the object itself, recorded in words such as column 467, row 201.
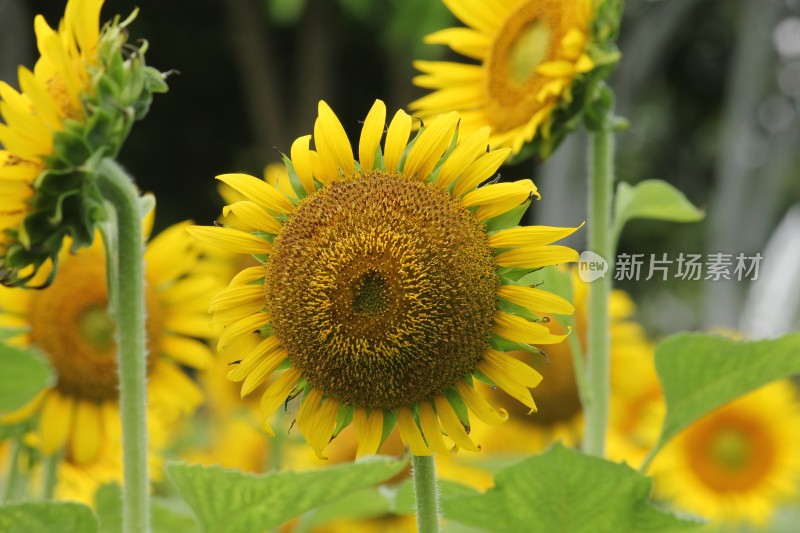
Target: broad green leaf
column 701, row 372
column 43, row 517
column 565, row 490
column 228, row 500
column 166, row 516
column 24, row 374
column 361, row 505
column 653, row 199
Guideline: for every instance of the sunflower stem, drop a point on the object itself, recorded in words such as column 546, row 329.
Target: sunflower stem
column 423, row 469
column 50, row 475
column 129, row 314
column 601, row 181
column 13, row 469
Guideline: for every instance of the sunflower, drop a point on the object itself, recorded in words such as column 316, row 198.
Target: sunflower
column 68, row 322
column 537, row 61
column 737, row 464
column 76, row 106
column 386, row 284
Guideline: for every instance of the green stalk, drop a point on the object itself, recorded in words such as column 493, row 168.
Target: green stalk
column 13, row 469
column 423, row 469
column 601, row 181
column 129, row 314
column 50, row 475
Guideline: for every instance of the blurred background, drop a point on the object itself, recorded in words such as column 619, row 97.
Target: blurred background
column 711, row 89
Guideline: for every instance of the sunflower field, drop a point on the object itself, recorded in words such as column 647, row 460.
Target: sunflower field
column 316, row 266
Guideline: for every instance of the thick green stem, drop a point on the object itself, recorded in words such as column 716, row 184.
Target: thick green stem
column 601, row 181
column 129, row 313
column 13, row 469
column 427, row 497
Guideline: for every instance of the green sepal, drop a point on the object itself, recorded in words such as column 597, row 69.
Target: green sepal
column 458, row 406
column 505, row 345
column 389, row 422
column 294, row 179
column 343, row 419
column 509, row 219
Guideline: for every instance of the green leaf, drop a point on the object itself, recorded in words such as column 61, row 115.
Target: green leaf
column 166, row 516
column 565, row 490
column 701, row 372
column 42, row 517
column 229, row 500
column 25, row 373
column 653, row 199
column 361, row 505
column 8, row 333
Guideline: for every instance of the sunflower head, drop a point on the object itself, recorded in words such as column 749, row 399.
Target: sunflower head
column 385, row 286
column 76, row 107
column 537, row 69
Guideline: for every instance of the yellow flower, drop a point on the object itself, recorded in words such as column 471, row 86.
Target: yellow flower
column 534, row 63
column 380, row 280
column 737, row 464
column 75, row 107
column 68, row 322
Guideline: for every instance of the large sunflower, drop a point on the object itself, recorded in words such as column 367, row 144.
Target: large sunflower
column 76, row 106
column 738, row 463
column 534, row 63
column 387, row 283
column 68, row 322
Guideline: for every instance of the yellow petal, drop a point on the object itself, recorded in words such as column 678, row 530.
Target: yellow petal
column 187, row 351
column 535, row 299
column 321, row 430
column 275, row 395
column 529, row 236
column 466, row 151
column 458, row 97
column 254, row 216
column 465, row 41
column 87, row 432
column 513, row 193
column 410, row 433
column 369, row 430
column 484, row 15
column 512, row 366
column 430, row 146
column 431, row 428
column 371, row 134
column 244, row 326
column 452, row 424
column 253, row 358
column 301, row 161
column 248, row 275
column 440, row 74
column 258, row 191
column 231, row 239
column 308, row 411
column 481, row 170
column 396, row 140
column 508, row 383
column 482, row 409
column 518, row 329
column 537, row 257
column 55, row 422
column 332, row 143
column 236, row 296
column 262, row 371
